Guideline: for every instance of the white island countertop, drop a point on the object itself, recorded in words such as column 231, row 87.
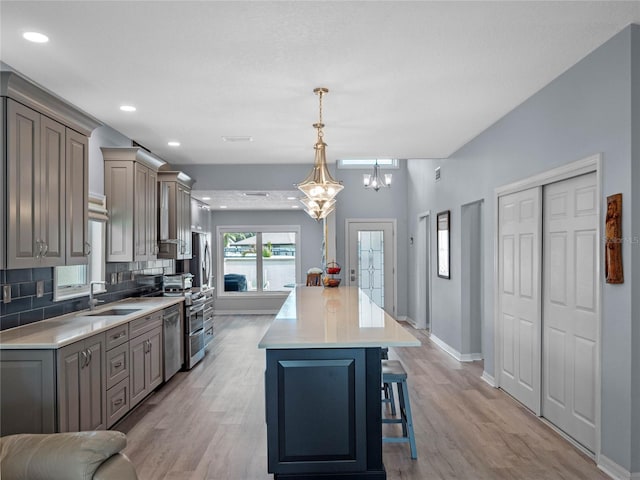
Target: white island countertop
column 342, row 317
column 60, row 331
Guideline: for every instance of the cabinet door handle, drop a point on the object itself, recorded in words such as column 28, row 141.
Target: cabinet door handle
column 83, row 363
column 46, row 249
column 120, row 335
column 117, row 365
column 90, row 355
column 117, row 402
column 87, row 248
column 39, row 247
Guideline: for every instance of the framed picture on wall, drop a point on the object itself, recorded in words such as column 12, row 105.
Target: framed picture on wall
column 442, row 227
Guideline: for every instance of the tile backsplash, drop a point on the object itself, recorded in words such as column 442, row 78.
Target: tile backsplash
column 134, row 279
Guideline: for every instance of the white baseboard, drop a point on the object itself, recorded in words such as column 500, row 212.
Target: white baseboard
column 614, row 470
column 412, row 322
column 470, row 357
column 489, row 379
column 461, row 357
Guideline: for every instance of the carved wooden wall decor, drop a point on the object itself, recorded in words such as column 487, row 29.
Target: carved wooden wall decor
column 613, row 238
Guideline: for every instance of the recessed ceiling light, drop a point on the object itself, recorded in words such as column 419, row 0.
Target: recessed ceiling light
column 127, row 108
column 291, row 198
column 295, row 206
column 173, row 144
column 35, row 37
column 223, row 206
column 206, row 198
column 237, row 138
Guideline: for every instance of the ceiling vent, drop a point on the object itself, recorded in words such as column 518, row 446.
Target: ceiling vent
column 237, row 138
column 256, row 194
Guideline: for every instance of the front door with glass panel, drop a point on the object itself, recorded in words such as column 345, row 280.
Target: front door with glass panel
column 370, row 260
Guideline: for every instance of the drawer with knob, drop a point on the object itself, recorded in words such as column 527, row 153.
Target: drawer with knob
column 117, row 364
column 117, row 336
column 144, row 324
column 117, row 402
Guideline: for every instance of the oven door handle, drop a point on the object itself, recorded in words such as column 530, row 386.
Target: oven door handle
column 196, row 309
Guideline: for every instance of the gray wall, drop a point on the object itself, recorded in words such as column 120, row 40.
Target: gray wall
column 634, row 237
column 586, row 110
column 389, row 203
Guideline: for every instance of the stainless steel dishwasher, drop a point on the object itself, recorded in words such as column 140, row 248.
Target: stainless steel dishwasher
column 173, row 349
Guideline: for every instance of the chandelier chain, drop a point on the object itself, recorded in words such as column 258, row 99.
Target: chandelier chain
column 320, row 124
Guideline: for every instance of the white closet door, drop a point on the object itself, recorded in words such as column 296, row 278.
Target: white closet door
column 519, row 295
column 570, row 307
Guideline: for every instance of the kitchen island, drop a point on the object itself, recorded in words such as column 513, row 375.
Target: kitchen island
column 322, row 384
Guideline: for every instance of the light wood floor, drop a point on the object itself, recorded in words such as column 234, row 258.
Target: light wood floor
column 209, row 423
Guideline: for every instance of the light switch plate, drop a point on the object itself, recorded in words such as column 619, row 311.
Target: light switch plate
column 39, row 288
column 6, row 293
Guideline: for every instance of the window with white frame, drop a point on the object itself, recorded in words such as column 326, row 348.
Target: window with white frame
column 257, row 259
column 363, row 163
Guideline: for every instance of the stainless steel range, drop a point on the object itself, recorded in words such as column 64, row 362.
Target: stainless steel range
column 194, row 309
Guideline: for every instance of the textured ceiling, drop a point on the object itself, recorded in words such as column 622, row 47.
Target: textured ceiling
column 407, row 79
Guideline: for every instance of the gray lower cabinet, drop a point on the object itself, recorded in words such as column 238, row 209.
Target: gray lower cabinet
column 87, row 385
column 146, row 357
column 81, row 394
column 28, row 386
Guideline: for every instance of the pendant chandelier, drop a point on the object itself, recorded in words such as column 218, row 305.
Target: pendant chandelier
column 375, row 181
column 319, row 186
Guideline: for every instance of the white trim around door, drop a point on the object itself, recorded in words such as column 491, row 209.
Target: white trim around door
column 587, row 165
column 381, row 223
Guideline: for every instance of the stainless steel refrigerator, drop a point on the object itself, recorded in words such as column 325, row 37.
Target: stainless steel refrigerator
column 200, row 263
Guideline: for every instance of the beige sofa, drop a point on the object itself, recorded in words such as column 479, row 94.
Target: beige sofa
column 65, row 456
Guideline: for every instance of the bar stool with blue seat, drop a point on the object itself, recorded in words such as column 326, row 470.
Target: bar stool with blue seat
column 394, row 372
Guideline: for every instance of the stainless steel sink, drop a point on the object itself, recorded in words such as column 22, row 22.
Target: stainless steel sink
column 114, row 311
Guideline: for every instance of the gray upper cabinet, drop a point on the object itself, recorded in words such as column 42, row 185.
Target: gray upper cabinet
column 45, row 173
column 175, row 215
column 77, row 186
column 130, row 182
column 35, row 188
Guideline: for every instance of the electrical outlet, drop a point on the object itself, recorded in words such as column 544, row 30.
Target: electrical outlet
column 114, row 278
column 6, row 293
column 39, row 288
column 120, row 277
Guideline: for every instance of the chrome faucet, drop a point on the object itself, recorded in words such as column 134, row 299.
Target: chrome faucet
column 93, row 302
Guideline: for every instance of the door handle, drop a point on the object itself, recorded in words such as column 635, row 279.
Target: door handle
column 83, row 364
